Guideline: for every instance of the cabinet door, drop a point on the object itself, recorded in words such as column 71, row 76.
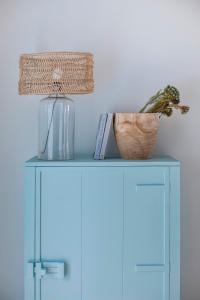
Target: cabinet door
column 146, row 234
column 102, row 233
column 58, row 231
column 79, row 221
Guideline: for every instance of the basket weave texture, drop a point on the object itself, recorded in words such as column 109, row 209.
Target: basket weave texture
column 56, row 73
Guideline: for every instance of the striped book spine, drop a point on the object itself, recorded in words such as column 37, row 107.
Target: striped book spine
column 106, row 135
column 100, row 134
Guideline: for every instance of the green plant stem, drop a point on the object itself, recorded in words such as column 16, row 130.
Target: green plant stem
column 152, row 100
column 144, row 107
column 158, row 107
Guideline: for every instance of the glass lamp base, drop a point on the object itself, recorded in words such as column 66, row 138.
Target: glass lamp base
column 56, row 128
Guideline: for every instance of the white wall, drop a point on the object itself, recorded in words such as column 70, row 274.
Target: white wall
column 139, row 46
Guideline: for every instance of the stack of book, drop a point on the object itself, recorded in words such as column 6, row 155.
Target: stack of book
column 105, row 137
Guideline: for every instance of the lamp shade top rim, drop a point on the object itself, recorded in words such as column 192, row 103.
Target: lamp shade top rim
column 56, row 53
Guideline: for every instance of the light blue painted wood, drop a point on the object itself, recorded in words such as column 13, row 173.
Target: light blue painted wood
column 29, row 232
column 84, row 161
column 174, row 233
column 38, row 231
column 146, row 234
column 60, row 194
column 102, row 234
column 115, row 225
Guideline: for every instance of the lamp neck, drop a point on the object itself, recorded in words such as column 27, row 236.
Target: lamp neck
column 57, row 96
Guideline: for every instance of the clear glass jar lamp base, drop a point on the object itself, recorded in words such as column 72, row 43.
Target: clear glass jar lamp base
column 56, row 128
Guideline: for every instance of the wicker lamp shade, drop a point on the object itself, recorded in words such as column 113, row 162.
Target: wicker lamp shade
column 52, row 73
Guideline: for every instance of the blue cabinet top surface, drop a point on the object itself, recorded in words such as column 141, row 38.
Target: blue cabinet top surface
column 81, row 161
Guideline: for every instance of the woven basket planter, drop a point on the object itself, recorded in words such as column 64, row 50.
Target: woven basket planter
column 136, row 134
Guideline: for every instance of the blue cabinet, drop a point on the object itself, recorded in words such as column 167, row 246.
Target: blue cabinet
column 102, row 230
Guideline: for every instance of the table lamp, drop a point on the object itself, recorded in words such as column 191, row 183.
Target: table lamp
column 56, row 74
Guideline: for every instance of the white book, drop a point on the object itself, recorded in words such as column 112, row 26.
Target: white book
column 108, row 127
column 112, row 150
column 100, row 135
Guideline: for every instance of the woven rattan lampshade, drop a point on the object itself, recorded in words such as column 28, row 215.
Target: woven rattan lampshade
column 56, row 73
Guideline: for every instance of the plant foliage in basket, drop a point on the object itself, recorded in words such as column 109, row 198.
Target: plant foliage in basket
column 164, row 102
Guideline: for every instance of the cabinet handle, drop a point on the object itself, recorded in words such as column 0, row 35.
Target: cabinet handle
column 46, row 270
column 150, row 268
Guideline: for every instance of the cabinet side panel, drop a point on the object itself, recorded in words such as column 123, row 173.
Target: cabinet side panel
column 146, row 233
column 175, row 233
column 29, row 220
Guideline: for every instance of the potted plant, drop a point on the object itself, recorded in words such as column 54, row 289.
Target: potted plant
column 136, row 133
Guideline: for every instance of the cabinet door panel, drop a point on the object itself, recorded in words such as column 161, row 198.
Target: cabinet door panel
column 59, row 194
column 146, row 234
column 102, row 234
